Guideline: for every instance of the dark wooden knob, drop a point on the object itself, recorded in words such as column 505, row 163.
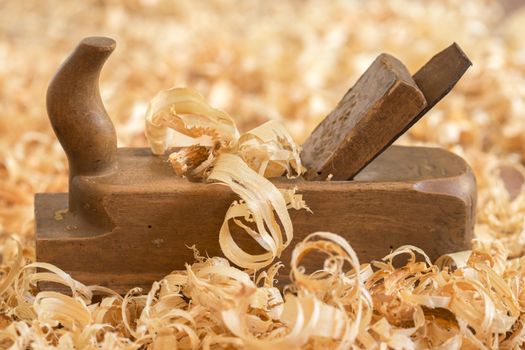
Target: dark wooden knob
column 77, row 113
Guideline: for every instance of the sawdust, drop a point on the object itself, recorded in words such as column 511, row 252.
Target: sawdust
column 293, row 71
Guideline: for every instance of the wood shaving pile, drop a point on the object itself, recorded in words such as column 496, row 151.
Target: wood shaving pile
column 290, row 62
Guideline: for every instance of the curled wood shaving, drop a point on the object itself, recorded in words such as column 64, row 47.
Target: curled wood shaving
column 186, row 112
column 240, row 162
column 259, row 199
column 270, row 150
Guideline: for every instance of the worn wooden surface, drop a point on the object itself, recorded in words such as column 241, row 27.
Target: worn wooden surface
column 420, row 196
column 439, row 75
column 127, row 219
column 382, row 102
column 350, row 136
column 80, row 121
column 436, row 79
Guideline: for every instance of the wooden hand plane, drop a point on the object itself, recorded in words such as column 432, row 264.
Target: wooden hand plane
column 128, row 219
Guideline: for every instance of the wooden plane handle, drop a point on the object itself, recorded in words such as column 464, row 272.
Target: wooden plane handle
column 77, row 113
